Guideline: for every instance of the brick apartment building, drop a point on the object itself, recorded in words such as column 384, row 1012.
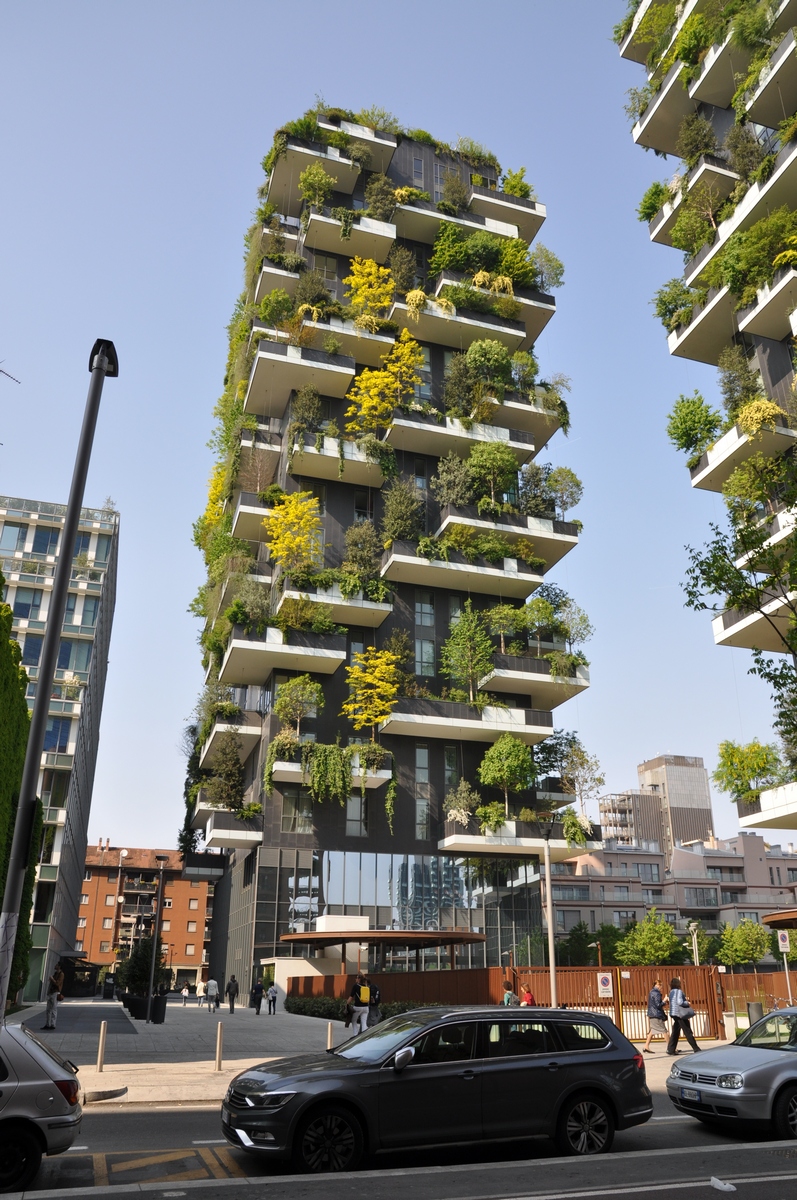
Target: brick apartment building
column 117, row 905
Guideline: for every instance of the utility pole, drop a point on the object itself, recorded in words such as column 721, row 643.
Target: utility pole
column 156, row 935
column 102, row 362
column 549, row 916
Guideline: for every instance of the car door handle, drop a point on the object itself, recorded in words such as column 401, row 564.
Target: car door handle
column 467, row 1075
column 553, row 1066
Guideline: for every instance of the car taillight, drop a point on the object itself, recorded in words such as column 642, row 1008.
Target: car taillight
column 69, row 1089
column 639, row 1061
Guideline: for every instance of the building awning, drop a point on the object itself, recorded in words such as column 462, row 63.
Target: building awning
column 415, row 939
column 786, row 918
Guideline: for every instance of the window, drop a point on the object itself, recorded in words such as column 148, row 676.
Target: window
column 103, row 550
column 451, row 769
column 12, row 537
column 297, row 810
column 569, row 892
column 423, row 389
column 700, row 897
column 623, row 917
column 326, row 265
column 81, row 922
column 731, row 897
column 424, row 657
column 420, row 474
column 566, row 918
column 78, row 945
column 670, row 918
column 422, row 820
column 791, row 874
column 84, row 899
column 421, row 764
column 190, row 949
column 70, row 608
column 191, row 927
column 87, row 873
column 508, row 1039
column 748, row 916
column 651, row 895
column 449, row 1043
column 73, row 655
column 55, row 785
column 105, row 947
column 193, row 904
column 580, row 1035
column 417, row 172
column 440, row 172
column 110, row 900
column 424, row 607
column 716, row 872
column 45, row 541
column 363, row 506
column 454, row 610
column 356, row 816
column 27, row 603
column 91, row 607
column 649, row 871
column 166, row 926
column 771, row 876
column 167, row 903
column 56, row 735
column 774, row 1033
column 82, row 543
column 357, row 642
column 31, row 651
column 621, row 892
column 107, row 922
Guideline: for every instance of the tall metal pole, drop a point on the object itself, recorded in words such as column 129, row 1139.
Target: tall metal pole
column 102, row 362
column 156, row 936
column 549, row 915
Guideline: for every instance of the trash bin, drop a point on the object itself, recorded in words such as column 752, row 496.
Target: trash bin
column 108, row 987
column 158, row 1009
column 755, row 1011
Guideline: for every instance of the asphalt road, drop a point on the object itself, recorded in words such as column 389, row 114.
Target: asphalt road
column 174, row 1153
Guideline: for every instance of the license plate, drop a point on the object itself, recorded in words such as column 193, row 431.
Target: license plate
column 690, row 1094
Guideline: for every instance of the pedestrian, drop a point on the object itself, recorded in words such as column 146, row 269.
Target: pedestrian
column 271, row 996
column 200, row 992
column 681, row 1013
column 509, row 999
column 527, row 999
column 374, row 1015
column 231, row 991
column 184, row 994
column 657, row 1017
column 257, row 995
column 360, row 996
column 54, row 994
column 213, row 995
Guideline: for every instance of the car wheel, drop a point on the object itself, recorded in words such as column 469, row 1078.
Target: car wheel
column 329, row 1139
column 586, row 1126
column 784, row 1113
column 20, row 1158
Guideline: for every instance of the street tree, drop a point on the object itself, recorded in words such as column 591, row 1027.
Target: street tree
column 650, row 942
column 507, row 765
column 466, row 656
column 728, row 952
column 296, row 699
column 373, row 681
column 751, row 941
column 610, row 937
column 574, row 950
column 582, row 776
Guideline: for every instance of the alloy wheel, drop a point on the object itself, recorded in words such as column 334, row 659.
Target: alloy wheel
column 791, row 1115
column 587, row 1128
column 329, row 1143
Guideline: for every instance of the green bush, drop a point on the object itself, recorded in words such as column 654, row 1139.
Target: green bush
column 330, row 1009
column 654, row 198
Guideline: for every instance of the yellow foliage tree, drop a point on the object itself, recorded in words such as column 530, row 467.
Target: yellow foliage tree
column 294, row 532
column 374, row 394
column 371, row 290
column 373, row 680
column 752, row 417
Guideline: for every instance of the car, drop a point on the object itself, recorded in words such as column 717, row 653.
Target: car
column 440, row 1076
column 39, row 1107
column 751, row 1079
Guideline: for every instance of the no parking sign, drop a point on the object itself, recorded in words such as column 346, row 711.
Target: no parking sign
column 605, row 988
column 783, row 941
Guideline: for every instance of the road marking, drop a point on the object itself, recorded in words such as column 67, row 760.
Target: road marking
column 221, row 1141
column 178, row 1177
column 153, row 1160
column 77, row 1147
column 672, row 1118
column 212, row 1163
column 100, row 1170
column 229, row 1162
column 642, row 1187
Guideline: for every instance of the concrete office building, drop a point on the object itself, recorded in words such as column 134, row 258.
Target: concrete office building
column 30, row 536
column 672, row 805
column 432, row 227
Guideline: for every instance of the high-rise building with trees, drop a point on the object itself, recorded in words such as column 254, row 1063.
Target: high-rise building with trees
column 384, row 650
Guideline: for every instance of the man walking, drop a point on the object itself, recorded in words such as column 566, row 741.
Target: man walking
column 361, row 998
column 213, row 995
column 54, row 986
column 374, row 1016
column 231, row 991
column 257, row 996
column 272, row 1000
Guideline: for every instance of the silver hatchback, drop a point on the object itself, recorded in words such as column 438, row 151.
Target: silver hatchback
column 39, row 1109
column 751, row 1079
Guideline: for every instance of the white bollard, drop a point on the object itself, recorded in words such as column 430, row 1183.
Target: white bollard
column 101, row 1046
column 219, row 1043
column 330, row 1036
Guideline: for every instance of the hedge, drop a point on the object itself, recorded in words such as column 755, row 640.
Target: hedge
column 331, row 1009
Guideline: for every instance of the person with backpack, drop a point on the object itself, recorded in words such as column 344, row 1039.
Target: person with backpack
column 509, row 999
column 258, row 991
column 374, row 1015
column 361, row 998
column 231, row 991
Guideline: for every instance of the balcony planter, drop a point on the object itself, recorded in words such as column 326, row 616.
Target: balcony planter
column 511, row 578
column 446, row 718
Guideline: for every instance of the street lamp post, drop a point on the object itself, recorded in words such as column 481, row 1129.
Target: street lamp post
column 102, row 362
column 120, row 899
column 597, row 946
column 160, row 859
column 692, row 928
column 549, row 914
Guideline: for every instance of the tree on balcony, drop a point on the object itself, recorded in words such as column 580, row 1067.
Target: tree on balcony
column 503, row 620
column 402, row 518
column 507, row 765
column 493, row 471
column 582, row 776
column 466, row 656
column 373, row 688
column 225, row 787
column 298, row 698
column 371, row 291
column 744, row 771
column 294, row 532
column 316, row 185
column 375, row 393
column 453, row 482
column 693, row 425
column 566, row 489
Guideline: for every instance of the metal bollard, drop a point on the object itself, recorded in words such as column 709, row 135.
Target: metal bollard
column 101, row 1046
column 219, row 1044
column 330, row 1036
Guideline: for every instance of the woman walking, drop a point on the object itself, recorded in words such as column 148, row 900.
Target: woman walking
column 657, row 1017
column 681, row 1013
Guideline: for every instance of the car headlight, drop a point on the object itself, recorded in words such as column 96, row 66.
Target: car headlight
column 269, row 1100
column 730, row 1081
column 675, row 1072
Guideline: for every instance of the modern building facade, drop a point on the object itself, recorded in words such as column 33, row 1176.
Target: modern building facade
column 388, row 852
column 30, row 542
column 117, row 907
column 672, row 805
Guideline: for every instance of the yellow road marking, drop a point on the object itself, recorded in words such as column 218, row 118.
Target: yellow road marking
column 232, row 1166
column 130, row 1164
column 100, row 1170
column 213, row 1164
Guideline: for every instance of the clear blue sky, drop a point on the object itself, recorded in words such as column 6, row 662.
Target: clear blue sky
column 132, row 137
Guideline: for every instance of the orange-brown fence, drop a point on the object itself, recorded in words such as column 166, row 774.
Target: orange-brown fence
column 711, row 993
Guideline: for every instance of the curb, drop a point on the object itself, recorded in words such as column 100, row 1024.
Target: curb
column 111, row 1094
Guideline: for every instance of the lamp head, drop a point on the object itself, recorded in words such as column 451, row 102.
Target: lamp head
column 103, row 348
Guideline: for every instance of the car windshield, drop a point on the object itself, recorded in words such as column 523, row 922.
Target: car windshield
column 776, row 1032
column 381, row 1040
column 48, row 1050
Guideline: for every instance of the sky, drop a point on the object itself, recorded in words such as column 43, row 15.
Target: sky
column 132, row 137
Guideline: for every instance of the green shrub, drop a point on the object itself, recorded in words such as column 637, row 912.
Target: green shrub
column 330, row 1009
column 654, row 198
column 276, row 307
column 695, row 138
column 514, row 184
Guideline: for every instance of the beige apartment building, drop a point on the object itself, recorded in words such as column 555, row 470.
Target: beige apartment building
column 671, row 806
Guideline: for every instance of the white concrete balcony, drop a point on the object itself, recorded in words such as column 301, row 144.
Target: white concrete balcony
column 770, row 315
column 422, row 433
column 511, row 579
column 364, row 347
column 291, row 772
column 710, row 331
column 421, row 222
column 776, row 808
column 552, row 539
column 527, row 215
column 369, row 238
column 462, row 722
column 251, row 657
column 346, row 610
column 531, row 677
column 248, row 518
column 763, row 630
column 513, row 839
column 536, row 308
column 459, row 329
column 735, row 447
column 775, row 96
column 527, row 414
column 711, row 172
column 249, row 729
column 379, row 144
column 272, row 277
column 634, row 49
column 321, row 458
column 225, row 832
column 279, row 369
column 202, row 810
column 283, row 182
column 660, row 124
column 721, row 69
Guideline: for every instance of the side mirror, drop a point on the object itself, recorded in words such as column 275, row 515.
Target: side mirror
column 403, row 1058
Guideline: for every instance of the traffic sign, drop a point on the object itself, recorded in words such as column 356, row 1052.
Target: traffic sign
column 783, row 941
column 605, row 988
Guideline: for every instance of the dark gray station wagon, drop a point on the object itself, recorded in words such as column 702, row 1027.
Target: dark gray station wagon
column 441, row 1076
